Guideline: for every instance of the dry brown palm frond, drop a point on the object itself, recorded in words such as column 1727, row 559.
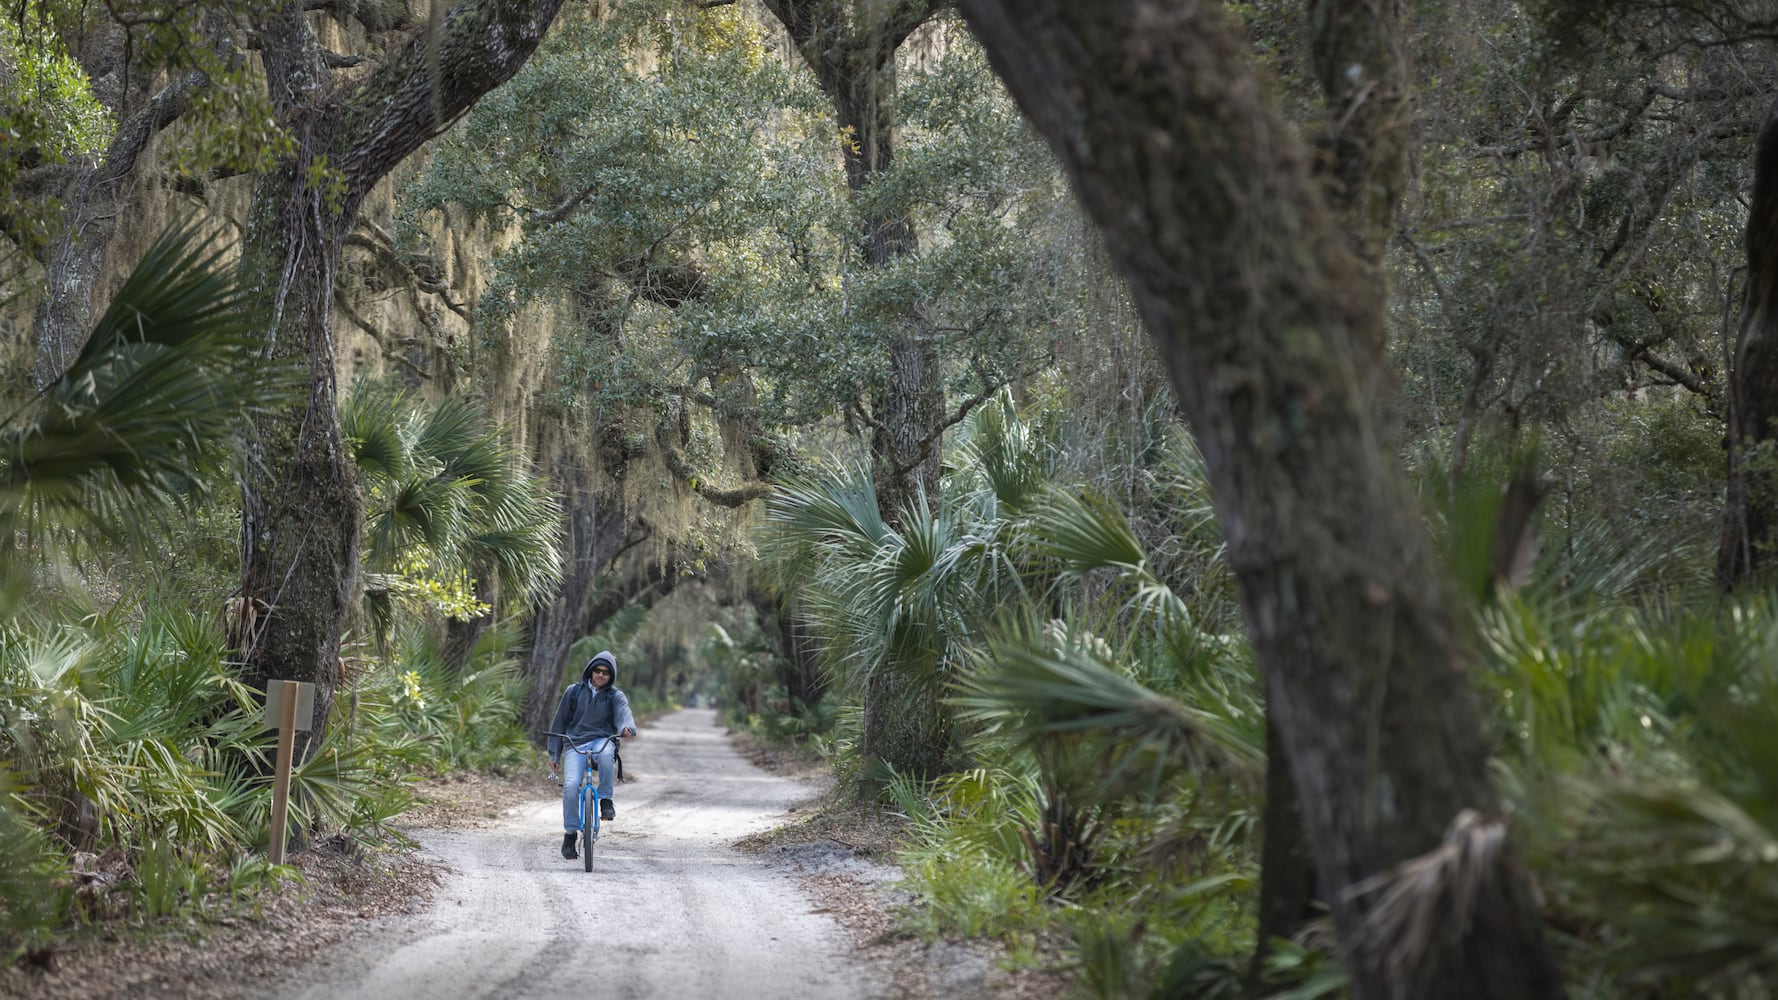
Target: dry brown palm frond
column 1427, row 902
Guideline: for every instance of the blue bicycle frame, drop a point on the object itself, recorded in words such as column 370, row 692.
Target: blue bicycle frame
column 589, row 792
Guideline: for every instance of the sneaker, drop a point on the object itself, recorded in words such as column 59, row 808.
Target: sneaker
column 607, row 810
column 568, row 850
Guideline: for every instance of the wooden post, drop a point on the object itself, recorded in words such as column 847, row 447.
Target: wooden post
column 281, row 779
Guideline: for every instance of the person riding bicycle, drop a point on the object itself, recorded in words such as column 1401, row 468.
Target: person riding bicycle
column 591, row 711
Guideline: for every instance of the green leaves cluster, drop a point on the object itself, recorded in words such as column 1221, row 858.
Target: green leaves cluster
column 449, row 501
column 144, row 415
column 680, row 192
column 1638, row 749
column 1106, row 724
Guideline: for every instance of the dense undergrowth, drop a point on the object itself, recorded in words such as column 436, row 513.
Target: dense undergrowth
column 137, row 782
column 1113, row 791
column 135, row 770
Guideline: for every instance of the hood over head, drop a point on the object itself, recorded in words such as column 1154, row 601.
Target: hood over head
column 603, row 655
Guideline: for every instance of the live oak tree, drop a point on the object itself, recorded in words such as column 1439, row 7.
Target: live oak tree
column 851, row 48
column 1358, row 56
column 301, row 505
column 1270, row 329
column 89, row 92
column 687, row 217
column 1566, row 249
column 1750, row 514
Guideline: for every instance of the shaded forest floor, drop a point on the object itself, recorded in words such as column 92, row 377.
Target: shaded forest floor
column 842, row 855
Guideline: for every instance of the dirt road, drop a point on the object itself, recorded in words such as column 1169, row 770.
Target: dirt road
column 669, row 910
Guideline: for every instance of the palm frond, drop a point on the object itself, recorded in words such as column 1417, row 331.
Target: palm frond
column 1043, row 684
column 373, row 421
column 1084, row 533
column 142, row 417
column 998, row 447
column 837, row 512
column 1690, row 874
column 467, row 445
column 517, row 530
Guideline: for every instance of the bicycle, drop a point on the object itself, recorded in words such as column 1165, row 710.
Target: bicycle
column 589, row 791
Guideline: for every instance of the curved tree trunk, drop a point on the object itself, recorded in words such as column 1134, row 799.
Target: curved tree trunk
column 595, row 535
column 94, row 198
column 1356, row 49
column 1750, row 510
column 300, row 501
column 1271, row 331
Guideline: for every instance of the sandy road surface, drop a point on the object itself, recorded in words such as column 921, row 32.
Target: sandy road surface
column 669, row 910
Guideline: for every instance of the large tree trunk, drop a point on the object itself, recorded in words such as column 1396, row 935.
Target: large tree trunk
column 1271, row 331
column 799, row 669
column 1750, row 511
column 300, row 501
column 850, row 46
column 596, row 530
column 1357, row 52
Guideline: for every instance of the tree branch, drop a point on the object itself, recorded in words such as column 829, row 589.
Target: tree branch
column 434, row 78
column 382, row 247
column 738, row 497
column 552, row 216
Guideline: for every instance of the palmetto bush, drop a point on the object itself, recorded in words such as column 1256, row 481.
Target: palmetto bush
column 115, row 735
column 125, row 730
column 1117, row 737
column 448, row 718
column 120, row 733
column 452, row 506
column 132, row 432
column 1643, row 752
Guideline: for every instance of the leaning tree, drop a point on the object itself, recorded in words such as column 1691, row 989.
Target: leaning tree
column 1271, row 330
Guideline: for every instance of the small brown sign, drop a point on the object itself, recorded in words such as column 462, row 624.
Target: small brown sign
column 305, row 705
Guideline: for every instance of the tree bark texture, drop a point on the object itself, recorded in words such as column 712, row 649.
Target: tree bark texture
column 596, row 528
column 1270, row 329
column 94, row 198
column 799, row 668
column 850, row 46
column 1750, row 510
column 1356, row 48
column 301, row 504
column 1364, row 143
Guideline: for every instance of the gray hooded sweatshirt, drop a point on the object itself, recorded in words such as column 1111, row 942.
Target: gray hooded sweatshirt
column 587, row 713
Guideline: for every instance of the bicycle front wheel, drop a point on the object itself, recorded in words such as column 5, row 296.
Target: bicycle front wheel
column 589, row 825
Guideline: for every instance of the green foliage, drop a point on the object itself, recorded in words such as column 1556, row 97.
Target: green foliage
column 34, row 895
column 1641, row 752
column 1113, row 792
column 139, row 423
column 50, row 114
column 116, row 736
column 48, row 98
column 138, row 738
column 468, row 719
column 964, row 860
column 684, row 210
column 449, row 501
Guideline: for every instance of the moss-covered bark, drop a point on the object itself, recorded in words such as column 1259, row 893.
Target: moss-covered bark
column 1271, row 332
column 1750, row 512
column 301, row 505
